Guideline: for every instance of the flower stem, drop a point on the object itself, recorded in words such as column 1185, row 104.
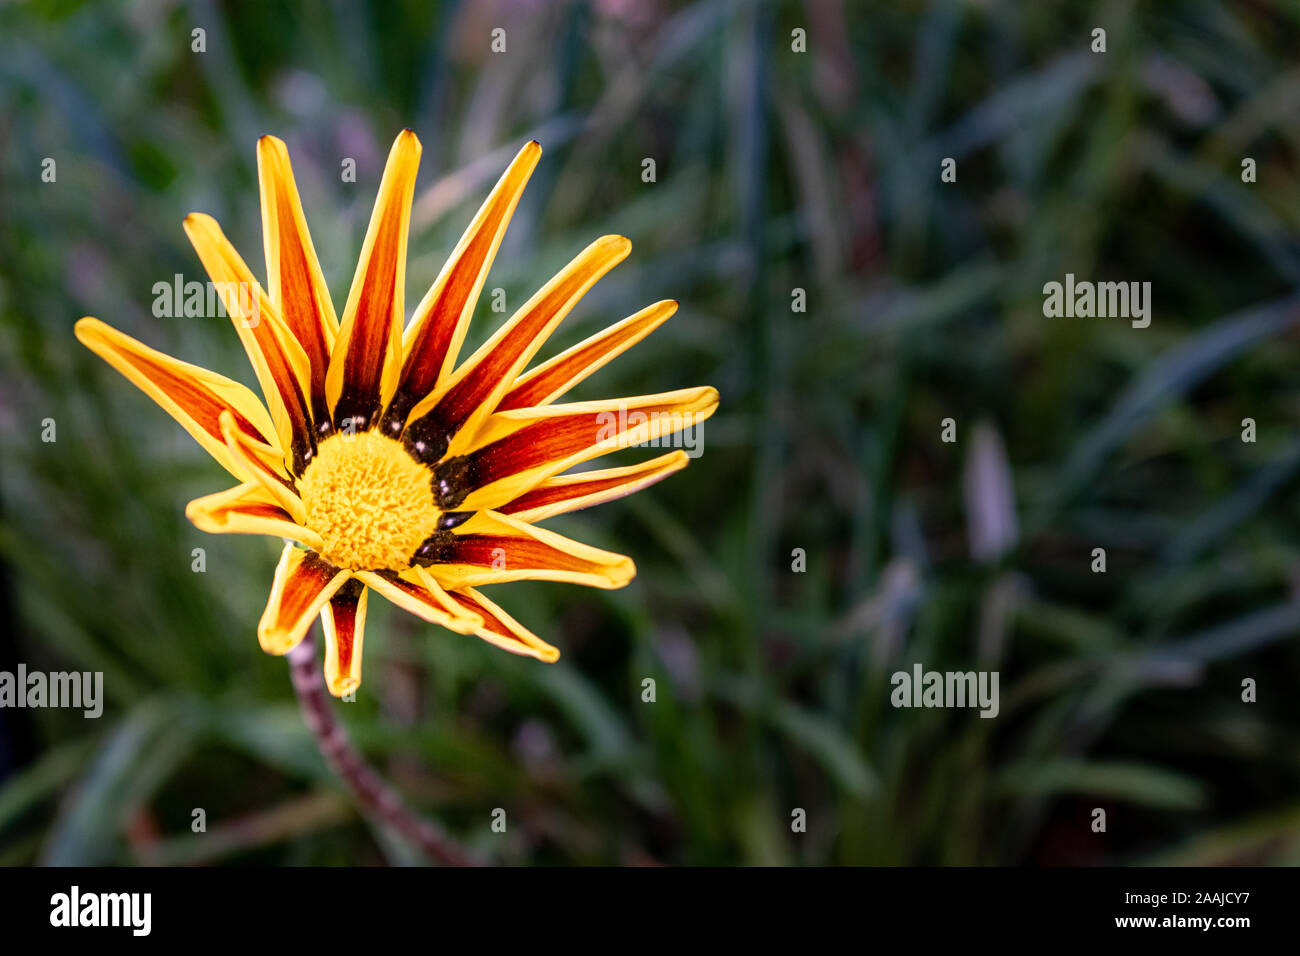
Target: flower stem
column 370, row 790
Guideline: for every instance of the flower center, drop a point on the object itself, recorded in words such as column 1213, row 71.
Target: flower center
column 369, row 500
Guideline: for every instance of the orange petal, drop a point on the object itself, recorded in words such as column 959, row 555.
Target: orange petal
column 519, row 449
column 437, row 329
column 565, row 493
column 476, row 387
column 492, row 547
column 367, row 355
column 246, row 453
column 423, row 596
column 344, row 621
column 295, row 283
column 504, row 631
column 277, row 358
column 247, row 509
column 550, row 380
column 303, row 583
column 193, row 396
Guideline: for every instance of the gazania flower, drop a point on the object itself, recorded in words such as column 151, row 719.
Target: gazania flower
column 387, row 464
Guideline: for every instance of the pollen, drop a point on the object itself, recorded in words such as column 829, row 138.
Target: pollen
column 369, row 500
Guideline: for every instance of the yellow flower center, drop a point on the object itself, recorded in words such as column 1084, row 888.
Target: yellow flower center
column 369, row 500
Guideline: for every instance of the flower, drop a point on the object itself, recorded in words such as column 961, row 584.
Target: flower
column 385, row 464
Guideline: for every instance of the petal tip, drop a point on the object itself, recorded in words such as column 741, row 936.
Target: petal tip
column 271, row 148
column 621, row 573
column 275, row 640
column 199, row 221
column 86, row 327
column 408, row 141
column 342, row 686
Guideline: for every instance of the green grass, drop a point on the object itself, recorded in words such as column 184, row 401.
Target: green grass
column 775, row 170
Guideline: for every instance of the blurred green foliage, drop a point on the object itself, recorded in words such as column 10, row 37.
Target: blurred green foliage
column 776, row 170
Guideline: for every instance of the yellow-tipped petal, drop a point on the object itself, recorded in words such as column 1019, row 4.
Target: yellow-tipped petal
column 433, row 339
column 343, row 620
column 248, row 509
column 367, row 356
column 303, row 583
column 472, row 393
column 502, row 630
column 422, row 597
column 244, row 452
column 279, row 361
column 295, row 283
column 517, row 450
column 565, row 493
column 550, row 380
column 193, row 396
column 492, row 547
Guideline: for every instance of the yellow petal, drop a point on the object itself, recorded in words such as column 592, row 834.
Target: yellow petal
column 550, row 380
column 421, row 596
column 519, row 449
column 248, row 509
column 432, row 341
column 502, row 630
column 245, row 453
column 344, row 621
column 193, row 396
column 295, row 283
column 472, row 392
column 367, row 356
column 492, row 547
column 278, row 360
column 565, row 493
column 303, row 583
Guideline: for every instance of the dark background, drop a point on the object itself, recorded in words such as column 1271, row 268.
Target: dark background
column 776, row 170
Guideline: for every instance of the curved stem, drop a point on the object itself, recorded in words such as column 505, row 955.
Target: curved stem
column 369, row 789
